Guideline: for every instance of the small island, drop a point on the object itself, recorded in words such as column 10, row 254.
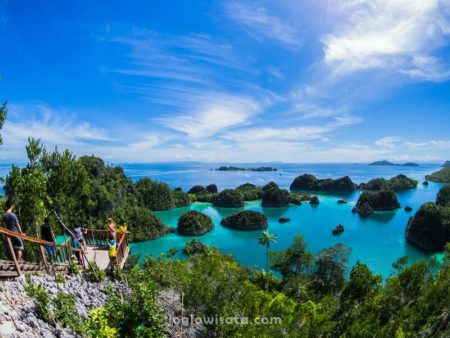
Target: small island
column 246, row 220
column 194, row 223
column 441, row 176
column 232, row 168
column 397, row 183
column 274, row 197
column 339, row 229
column 229, row 198
column 389, row 164
column 370, row 201
column 309, row 182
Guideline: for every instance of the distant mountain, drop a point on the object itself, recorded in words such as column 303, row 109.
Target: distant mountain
column 410, row 164
column 384, row 163
column 231, row 168
column 446, row 164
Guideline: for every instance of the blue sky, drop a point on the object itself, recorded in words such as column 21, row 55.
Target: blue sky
column 239, row 81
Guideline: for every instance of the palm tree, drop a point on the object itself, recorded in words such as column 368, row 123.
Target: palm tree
column 265, row 240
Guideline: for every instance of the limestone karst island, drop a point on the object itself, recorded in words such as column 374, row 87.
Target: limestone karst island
column 220, row 169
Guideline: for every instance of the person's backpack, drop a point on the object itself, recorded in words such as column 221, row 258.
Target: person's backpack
column 112, row 251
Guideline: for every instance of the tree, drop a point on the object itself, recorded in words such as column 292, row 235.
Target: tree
column 295, row 261
column 330, row 266
column 265, row 240
column 3, row 115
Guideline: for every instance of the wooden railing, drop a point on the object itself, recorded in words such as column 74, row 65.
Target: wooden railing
column 122, row 249
column 63, row 253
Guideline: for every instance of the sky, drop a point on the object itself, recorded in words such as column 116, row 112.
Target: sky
column 228, row 81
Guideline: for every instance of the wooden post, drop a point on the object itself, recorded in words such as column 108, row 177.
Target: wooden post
column 13, row 255
column 43, row 257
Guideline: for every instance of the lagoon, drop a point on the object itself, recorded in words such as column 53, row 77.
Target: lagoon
column 377, row 240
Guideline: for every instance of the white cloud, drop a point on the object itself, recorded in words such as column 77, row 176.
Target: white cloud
column 392, row 34
column 259, row 24
column 388, row 142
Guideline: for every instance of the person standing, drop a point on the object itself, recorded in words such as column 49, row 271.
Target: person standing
column 79, row 235
column 48, row 235
column 111, row 228
column 12, row 223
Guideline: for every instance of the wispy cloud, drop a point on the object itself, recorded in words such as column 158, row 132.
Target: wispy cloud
column 260, row 24
column 395, row 35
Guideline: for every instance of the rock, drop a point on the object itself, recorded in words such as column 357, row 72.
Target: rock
column 342, row 202
column 364, row 210
column 443, row 196
column 309, row 182
column 408, row 209
column 246, row 220
column 212, row 189
column 194, row 223
column 425, row 183
column 229, row 198
column 7, row 329
column 426, row 230
column 275, row 198
column 339, row 229
column 314, row 200
column 370, row 201
column 284, row 219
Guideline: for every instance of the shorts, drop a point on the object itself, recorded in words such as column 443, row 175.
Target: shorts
column 17, row 243
column 51, row 250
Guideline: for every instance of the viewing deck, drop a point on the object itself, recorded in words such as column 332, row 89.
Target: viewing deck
column 36, row 258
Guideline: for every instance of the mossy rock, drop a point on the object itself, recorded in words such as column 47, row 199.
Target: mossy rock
column 246, row 220
column 194, row 223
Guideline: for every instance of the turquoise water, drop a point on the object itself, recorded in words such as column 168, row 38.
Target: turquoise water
column 377, row 241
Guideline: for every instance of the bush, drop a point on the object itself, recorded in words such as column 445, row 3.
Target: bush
column 443, row 197
column 229, row 198
column 94, row 274
column 65, row 311
column 194, row 223
column 195, row 247
column 144, row 225
column 246, row 220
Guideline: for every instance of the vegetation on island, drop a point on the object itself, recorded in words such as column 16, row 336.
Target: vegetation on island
column 397, row 183
column 370, row 201
column 229, row 198
column 382, row 163
column 195, row 247
column 194, row 223
column 232, row 168
column 245, row 220
column 274, row 197
column 309, row 182
column 446, row 164
column 441, row 176
column 250, row 192
column 429, row 229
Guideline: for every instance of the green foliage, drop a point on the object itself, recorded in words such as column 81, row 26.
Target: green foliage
column 246, row 220
column 41, row 298
column 194, row 223
column 229, row 198
column 154, row 195
column 195, row 247
column 399, row 182
column 442, row 176
column 97, row 326
column 378, row 200
column 311, row 183
column 275, row 198
column 329, row 270
column 3, row 115
column 143, row 224
column 250, row 192
column 65, row 311
column 295, row 261
column 443, row 197
column 94, row 273
column 59, row 278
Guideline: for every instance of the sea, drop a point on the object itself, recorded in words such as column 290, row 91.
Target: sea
column 378, row 240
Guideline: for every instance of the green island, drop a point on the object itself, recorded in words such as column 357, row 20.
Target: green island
column 388, row 164
column 245, row 220
column 397, row 183
column 370, row 201
column 309, row 182
column 441, row 176
column 194, row 223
